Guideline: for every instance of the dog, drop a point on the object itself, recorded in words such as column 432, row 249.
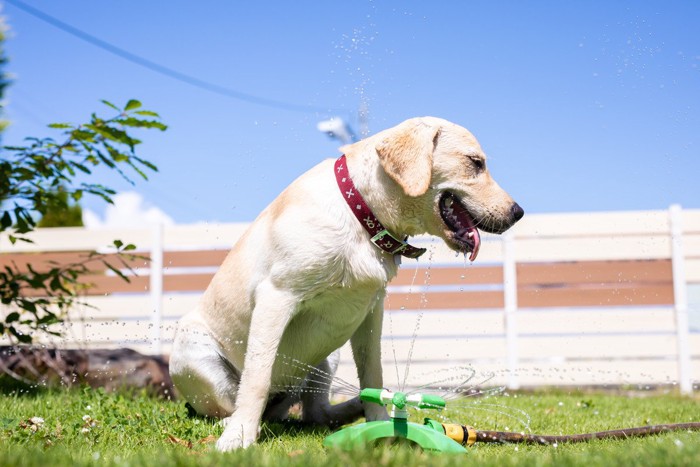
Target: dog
column 311, row 271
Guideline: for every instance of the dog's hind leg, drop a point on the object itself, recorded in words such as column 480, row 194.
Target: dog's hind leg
column 200, row 373
column 315, row 397
column 277, row 408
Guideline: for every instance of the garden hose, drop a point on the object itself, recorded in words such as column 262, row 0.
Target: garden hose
column 467, row 435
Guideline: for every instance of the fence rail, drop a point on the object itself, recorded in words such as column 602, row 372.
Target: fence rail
column 584, row 298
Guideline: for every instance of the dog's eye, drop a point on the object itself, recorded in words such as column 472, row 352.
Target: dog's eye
column 479, row 163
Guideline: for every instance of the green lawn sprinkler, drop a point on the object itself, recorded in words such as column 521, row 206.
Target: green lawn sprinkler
column 430, row 436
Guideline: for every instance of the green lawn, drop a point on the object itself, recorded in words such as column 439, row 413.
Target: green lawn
column 90, row 427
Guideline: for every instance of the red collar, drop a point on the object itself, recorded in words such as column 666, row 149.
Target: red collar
column 380, row 236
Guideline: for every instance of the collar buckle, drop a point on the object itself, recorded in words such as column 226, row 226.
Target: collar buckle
column 387, row 242
column 384, row 240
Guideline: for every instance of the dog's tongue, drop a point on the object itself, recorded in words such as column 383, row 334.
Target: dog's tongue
column 459, row 218
column 470, row 234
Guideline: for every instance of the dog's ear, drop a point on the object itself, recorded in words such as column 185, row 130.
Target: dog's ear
column 406, row 155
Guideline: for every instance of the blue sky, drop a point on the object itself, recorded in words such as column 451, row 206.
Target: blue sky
column 581, row 106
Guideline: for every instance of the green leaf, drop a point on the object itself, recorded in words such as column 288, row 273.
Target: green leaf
column 129, row 247
column 132, row 104
column 81, row 167
column 23, row 338
column 147, row 113
column 105, row 160
column 112, row 134
column 138, row 171
column 146, row 163
column 48, row 319
column 116, row 271
column 107, row 103
column 28, row 305
column 100, row 191
column 60, row 125
column 83, row 135
column 6, row 221
column 23, row 220
column 57, row 285
column 140, row 123
column 118, row 243
column 12, row 317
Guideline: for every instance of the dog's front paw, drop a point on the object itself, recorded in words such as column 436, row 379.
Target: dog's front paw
column 237, row 434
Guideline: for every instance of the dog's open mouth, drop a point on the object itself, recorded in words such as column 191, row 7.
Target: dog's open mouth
column 461, row 224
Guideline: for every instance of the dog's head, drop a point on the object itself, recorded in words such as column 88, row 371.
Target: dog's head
column 445, row 184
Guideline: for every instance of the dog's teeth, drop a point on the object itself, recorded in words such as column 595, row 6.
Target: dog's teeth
column 470, row 235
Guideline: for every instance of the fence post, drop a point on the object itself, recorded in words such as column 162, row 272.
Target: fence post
column 510, row 299
column 156, row 286
column 680, row 299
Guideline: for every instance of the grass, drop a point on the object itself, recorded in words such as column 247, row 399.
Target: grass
column 91, row 427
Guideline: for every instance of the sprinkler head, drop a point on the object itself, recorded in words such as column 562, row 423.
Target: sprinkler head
column 401, row 399
column 430, row 436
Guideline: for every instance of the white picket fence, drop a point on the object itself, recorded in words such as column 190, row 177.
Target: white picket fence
column 508, row 318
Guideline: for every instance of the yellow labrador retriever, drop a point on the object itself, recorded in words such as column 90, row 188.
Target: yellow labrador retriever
column 311, row 273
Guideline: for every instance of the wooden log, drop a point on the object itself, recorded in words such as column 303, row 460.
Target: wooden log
column 111, row 369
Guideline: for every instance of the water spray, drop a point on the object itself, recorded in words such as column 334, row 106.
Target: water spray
column 453, row 438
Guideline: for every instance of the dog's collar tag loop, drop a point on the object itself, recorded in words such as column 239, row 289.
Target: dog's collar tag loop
column 380, row 236
column 386, row 241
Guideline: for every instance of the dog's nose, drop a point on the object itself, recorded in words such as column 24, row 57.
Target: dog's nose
column 516, row 212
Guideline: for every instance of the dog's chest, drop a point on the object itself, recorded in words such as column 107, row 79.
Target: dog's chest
column 345, row 300
column 325, row 322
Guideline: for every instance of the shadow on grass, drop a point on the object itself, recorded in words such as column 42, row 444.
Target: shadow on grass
column 291, row 428
column 13, row 387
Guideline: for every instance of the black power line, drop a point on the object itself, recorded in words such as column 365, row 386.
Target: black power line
column 163, row 70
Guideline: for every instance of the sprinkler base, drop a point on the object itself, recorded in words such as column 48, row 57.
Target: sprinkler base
column 424, row 436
